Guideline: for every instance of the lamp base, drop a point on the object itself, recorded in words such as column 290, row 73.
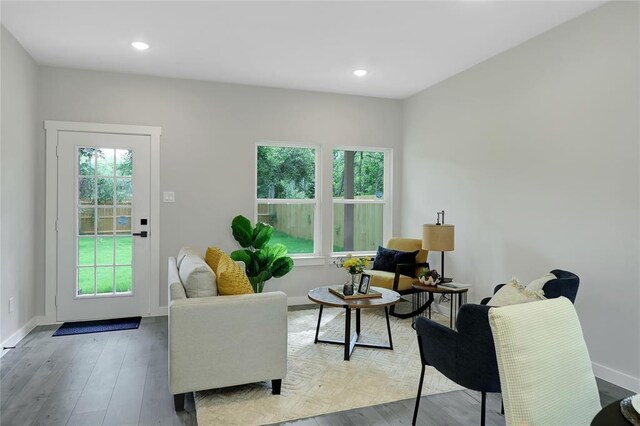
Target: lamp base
column 445, row 280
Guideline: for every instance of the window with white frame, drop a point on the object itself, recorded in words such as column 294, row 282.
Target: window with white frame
column 361, row 199
column 287, row 195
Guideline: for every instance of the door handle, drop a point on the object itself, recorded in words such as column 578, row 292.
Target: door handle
column 141, row 234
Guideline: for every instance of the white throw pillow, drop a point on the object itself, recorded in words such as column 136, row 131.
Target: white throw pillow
column 197, row 277
column 185, row 251
column 513, row 293
column 535, row 286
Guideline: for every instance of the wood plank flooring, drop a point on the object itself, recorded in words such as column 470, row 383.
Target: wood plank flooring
column 120, row 378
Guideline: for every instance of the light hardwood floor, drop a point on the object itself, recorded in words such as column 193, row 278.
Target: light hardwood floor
column 120, row 378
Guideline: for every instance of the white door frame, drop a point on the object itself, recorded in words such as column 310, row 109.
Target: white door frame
column 51, row 206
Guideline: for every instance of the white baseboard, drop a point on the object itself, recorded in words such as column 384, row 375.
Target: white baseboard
column 616, row 377
column 160, row 311
column 20, row 334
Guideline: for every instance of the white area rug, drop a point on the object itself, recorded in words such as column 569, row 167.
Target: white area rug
column 319, row 381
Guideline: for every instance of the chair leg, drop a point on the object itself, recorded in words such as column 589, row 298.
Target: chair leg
column 276, row 385
column 178, row 401
column 415, row 411
column 484, row 408
column 502, row 406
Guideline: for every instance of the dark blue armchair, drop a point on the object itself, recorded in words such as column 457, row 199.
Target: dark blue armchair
column 467, row 355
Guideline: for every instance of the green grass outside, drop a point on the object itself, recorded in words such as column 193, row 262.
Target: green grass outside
column 104, row 256
column 294, row 245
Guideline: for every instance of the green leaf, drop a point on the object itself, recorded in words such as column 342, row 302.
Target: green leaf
column 261, row 235
column 262, row 257
column 242, row 256
column 282, row 266
column 276, row 251
column 242, row 230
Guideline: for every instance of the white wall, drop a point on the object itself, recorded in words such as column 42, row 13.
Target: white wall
column 209, row 131
column 19, row 139
column 534, row 156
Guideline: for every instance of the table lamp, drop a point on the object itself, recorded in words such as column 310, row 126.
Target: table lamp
column 438, row 237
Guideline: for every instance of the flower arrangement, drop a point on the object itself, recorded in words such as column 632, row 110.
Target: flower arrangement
column 353, row 265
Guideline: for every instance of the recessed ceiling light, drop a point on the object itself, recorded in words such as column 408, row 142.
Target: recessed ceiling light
column 140, row 45
column 360, row 73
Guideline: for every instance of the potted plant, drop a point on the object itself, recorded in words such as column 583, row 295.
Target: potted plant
column 263, row 260
column 429, row 277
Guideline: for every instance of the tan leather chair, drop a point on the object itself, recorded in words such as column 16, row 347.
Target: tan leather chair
column 395, row 280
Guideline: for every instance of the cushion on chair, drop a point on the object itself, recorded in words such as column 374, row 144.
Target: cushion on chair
column 184, row 251
column 232, row 279
column 197, row 277
column 387, row 260
column 512, row 293
column 385, row 279
column 537, row 285
column 212, row 257
column 545, row 370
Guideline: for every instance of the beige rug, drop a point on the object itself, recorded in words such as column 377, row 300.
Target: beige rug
column 319, row 381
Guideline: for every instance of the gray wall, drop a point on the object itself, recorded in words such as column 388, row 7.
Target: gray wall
column 19, row 141
column 534, row 156
column 209, row 131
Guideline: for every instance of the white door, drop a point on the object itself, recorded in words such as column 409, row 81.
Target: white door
column 103, row 213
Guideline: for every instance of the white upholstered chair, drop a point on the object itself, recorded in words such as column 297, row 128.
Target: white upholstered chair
column 545, row 369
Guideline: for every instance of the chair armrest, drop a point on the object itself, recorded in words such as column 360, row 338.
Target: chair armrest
column 438, row 346
column 227, row 340
column 485, row 300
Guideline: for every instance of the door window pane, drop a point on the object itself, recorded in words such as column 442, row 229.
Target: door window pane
column 86, row 251
column 86, row 161
column 123, row 220
column 104, row 280
column 124, row 163
column 104, row 250
column 293, row 225
column 357, row 227
column 105, row 162
column 124, row 250
column 124, row 192
column 86, row 221
column 123, row 279
column 87, row 191
column 86, row 281
column 105, row 191
column 105, row 220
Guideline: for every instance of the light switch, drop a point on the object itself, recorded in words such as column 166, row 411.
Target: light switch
column 168, row 197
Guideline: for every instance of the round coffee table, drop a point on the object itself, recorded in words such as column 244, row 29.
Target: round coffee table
column 324, row 297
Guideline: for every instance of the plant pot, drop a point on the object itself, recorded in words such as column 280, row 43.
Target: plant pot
column 427, row 281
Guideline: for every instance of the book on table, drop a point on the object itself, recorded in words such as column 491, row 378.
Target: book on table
column 338, row 291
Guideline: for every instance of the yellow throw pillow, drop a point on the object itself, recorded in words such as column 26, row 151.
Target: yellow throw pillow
column 231, row 278
column 212, row 257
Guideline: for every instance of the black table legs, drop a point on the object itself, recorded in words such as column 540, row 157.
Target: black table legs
column 351, row 341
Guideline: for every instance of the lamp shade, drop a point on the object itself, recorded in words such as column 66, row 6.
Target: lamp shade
column 438, row 237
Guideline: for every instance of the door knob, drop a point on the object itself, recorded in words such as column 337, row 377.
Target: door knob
column 141, row 234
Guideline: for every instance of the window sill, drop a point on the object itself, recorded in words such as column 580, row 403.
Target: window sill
column 309, row 260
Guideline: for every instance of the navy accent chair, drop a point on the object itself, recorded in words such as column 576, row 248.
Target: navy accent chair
column 566, row 284
column 467, row 355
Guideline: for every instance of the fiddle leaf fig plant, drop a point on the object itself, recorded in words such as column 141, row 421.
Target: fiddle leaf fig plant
column 263, row 260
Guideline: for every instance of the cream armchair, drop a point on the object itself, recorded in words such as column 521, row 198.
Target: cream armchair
column 222, row 341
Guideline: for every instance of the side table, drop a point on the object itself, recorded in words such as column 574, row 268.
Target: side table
column 423, row 297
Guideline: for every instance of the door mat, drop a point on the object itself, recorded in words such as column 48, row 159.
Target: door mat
column 100, row 326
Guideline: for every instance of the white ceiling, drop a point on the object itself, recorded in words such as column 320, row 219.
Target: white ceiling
column 406, row 46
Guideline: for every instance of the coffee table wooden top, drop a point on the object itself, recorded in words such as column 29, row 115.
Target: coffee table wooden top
column 323, row 296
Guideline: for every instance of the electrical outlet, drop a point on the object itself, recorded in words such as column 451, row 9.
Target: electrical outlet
column 10, row 304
